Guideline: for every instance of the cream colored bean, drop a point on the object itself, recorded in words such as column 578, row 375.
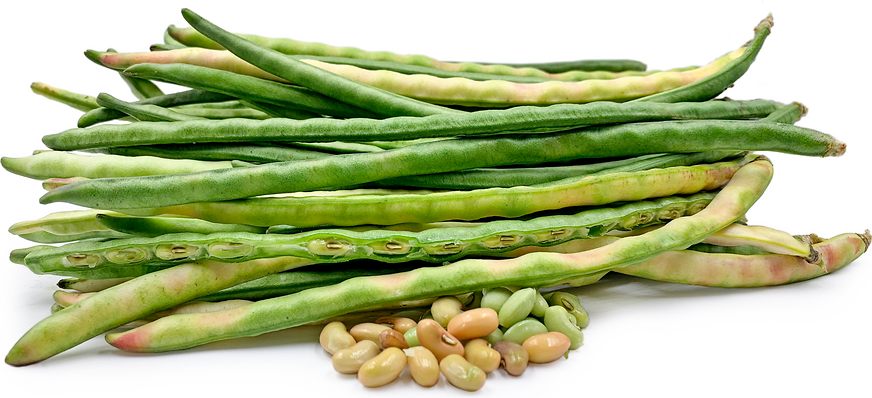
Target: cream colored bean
column 513, row 357
column 546, row 347
column 382, row 369
column 470, row 324
column 368, row 331
column 349, row 360
column 479, row 353
column 399, row 324
column 335, row 337
column 462, row 374
column 423, row 366
column 392, row 338
column 432, row 336
column 445, row 308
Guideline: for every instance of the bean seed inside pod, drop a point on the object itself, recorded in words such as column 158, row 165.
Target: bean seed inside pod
column 432, row 336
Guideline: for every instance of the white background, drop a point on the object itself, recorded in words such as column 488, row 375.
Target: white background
column 645, row 338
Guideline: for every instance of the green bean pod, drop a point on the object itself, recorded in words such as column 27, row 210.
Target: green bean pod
column 452, row 155
column 519, row 120
column 127, row 257
column 346, row 208
column 100, row 114
column 145, row 113
column 244, row 151
column 711, row 86
column 57, row 164
column 65, row 226
column 535, row 269
column 247, row 87
column 191, row 37
column 741, row 270
column 166, row 289
column 224, row 60
column 156, row 226
column 81, row 102
column 498, row 93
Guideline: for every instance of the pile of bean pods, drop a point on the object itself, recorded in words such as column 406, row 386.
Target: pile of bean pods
column 291, row 183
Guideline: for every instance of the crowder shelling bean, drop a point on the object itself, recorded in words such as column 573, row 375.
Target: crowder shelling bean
column 427, row 213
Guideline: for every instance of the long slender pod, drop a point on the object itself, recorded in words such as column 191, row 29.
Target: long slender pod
column 126, row 303
column 534, row 269
column 247, row 87
column 156, row 226
column 244, row 151
column 445, row 156
column 350, row 208
column 58, row 164
column 78, row 101
column 340, row 88
column 191, row 37
column 482, row 178
column 713, row 85
column 145, row 113
column 65, row 226
column 520, row 120
column 735, row 270
column 225, row 60
column 141, row 88
column 100, row 114
column 336, row 245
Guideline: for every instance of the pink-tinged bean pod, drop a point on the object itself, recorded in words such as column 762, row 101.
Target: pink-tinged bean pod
column 734, row 270
column 223, row 60
column 496, row 93
column 535, row 269
column 122, row 304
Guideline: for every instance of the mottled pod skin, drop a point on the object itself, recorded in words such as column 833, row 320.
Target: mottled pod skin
column 313, row 78
column 536, row 269
column 732, row 270
column 554, row 70
column 122, row 304
column 129, row 257
column 460, row 205
column 453, row 155
column 520, row 120
column 57, row 164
